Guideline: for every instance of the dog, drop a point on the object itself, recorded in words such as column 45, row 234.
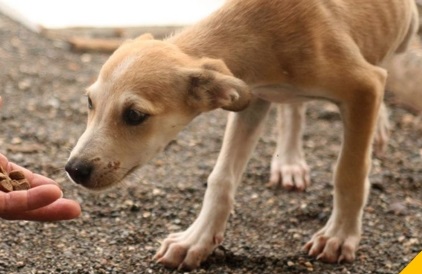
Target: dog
column 242, row 58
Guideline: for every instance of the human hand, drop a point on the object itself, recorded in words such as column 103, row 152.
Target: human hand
column 42, row 202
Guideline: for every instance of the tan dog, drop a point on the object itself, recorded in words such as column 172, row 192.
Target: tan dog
column 242, row 58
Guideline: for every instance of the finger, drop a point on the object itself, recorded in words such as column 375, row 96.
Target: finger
column 1, row 101
column 33, row 178
column 39, row 180
column 20, row 201
column 61, row 209
column 3, row 161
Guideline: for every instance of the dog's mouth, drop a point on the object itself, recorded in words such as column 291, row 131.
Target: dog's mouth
column 102, row 185
column 130, row 173
column 106, row 180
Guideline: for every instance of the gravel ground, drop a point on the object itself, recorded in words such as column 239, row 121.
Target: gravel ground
column 42, row 83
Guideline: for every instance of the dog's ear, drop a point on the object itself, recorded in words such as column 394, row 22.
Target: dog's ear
column 212, row 86
column 145, row 36
column 142, row 37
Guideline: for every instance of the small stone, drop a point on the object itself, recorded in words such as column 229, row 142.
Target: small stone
column 16, row 140
column 220, row 252
column 398, row 208
column 157, row 192
column 25, row 84
column 309, row 266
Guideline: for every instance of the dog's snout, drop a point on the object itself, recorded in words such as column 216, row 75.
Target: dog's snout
column 79, row 171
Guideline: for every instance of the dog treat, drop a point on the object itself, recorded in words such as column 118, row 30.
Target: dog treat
column 15, row 180
column 5, row 184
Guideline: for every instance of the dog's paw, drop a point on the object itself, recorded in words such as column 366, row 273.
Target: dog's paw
column 333, row 246
column 187, row 250
column 292, row 176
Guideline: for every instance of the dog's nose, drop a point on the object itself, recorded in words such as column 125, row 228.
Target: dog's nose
column 79, row 171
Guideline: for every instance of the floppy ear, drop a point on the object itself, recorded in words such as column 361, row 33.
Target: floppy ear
column 212, row 86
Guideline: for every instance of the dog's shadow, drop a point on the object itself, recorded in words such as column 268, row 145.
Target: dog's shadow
column 222, row 258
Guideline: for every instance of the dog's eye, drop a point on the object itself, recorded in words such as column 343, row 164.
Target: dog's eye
column 134, row 117
column 90, row 106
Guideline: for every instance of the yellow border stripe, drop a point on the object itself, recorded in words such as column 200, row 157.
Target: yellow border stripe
column 415, row 266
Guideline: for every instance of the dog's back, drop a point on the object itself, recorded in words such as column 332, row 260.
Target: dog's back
column 393, row 25
column 287, row 31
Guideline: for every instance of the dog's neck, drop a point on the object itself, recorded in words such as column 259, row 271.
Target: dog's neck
column 223, row 36
column 242, row 34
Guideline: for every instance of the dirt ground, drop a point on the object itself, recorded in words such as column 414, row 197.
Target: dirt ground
column 42, row 83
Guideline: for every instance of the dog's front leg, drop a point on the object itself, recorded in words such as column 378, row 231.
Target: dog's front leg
column 186, row 250
column 288, row 165
column 359, row 105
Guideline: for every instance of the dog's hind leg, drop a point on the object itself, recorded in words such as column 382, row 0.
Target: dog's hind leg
column 186, row 250
column 288, row 165
column 382, row 133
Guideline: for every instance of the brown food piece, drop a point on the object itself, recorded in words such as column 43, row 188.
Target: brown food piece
column 16, row 175
column 6, row 185
column 2, row 176
column 15, row 180
column 22, row 185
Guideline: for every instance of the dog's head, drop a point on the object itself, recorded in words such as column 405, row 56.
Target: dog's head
column 146, row 93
